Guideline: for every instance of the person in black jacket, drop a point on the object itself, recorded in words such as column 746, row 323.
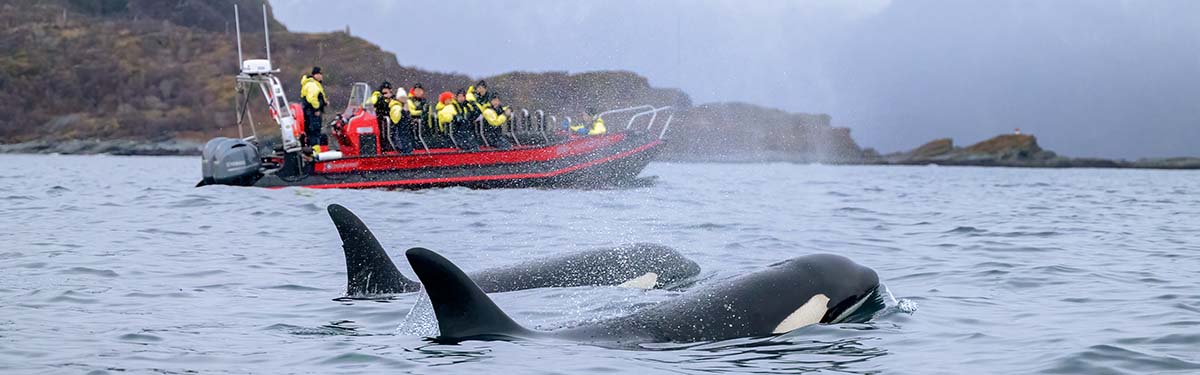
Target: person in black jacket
column 464, row 123
column 381, row 100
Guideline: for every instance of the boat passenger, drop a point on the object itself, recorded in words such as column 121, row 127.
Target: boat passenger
column 384, row 91
column 478, row 96
column 463, row 125
column 447, row 112
column 495, row 116
column 381, row 100
column 597, row 127
column 416, row 114
column 313, row 102
column 401, row 131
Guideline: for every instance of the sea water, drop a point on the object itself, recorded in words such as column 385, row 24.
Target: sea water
column 119, row 265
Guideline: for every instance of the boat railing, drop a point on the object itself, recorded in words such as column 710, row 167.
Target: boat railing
column 450, row 133
column 626, row 109
column 541, row 125
column 479, row 124
column 522, row 125
column 653, row 113
column 419, row 124
column 516, row 126
column 662, row 133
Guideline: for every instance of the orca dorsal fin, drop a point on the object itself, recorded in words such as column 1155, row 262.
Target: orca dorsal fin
column 463, row 310
column 369, row 269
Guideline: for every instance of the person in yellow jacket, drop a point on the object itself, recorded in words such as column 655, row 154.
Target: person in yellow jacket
column 418, row 118
column 401, row 131
column 416, row 101
column 446, row 113
column 494, row 118
column 455, row 117
column 478, row 96
column 597, row 125
column 379, row 101
column 384, row 91
column 312, row 96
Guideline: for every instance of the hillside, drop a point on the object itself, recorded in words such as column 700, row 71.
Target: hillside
column 115, row 73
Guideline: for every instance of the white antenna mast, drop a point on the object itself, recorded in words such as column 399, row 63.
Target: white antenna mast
column 237, row 22
column 267, row 31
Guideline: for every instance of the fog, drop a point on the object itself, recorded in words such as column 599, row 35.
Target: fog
column 1089, row 78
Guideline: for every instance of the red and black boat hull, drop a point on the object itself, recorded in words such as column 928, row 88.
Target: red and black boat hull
column 590, row 162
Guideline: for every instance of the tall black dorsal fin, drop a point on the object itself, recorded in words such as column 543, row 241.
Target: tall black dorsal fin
column 369, row 270
column 463, row 310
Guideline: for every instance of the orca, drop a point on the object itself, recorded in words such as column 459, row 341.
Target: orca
column 812, row 289
column 370, row 272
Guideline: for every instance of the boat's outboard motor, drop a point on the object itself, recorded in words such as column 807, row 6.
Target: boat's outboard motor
column 229, row 161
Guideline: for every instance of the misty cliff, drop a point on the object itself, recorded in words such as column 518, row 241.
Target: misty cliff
column 114, row 75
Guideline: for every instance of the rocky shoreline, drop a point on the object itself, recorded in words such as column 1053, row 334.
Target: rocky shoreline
column 110, row 147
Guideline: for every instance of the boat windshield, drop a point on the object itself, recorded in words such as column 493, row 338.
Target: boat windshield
column 358, row 96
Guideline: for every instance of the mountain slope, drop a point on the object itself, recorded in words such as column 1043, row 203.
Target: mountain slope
column 161, row 71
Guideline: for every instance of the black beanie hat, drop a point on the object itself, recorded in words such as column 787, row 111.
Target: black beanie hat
column 316, row 70
column 385, row 85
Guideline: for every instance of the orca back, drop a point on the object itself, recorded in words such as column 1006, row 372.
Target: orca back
column 646, row 266
column 463, row 310
column 369, row 269
column 812, row 289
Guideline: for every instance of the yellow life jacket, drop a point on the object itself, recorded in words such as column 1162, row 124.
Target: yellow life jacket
column 494, row 117
column 445, row 115
column 396, row 110
column 462, row 110
column 304, row 88
column 598, row 127
column 312, row 92
column 480, row 102
column 371, row 100
column 416, row 107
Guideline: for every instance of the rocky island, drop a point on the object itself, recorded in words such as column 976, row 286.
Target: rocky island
column 1016, row 150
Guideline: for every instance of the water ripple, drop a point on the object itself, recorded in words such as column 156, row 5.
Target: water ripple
column 117, row 264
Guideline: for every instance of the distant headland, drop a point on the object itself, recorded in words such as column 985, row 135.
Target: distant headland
column 1016, row 150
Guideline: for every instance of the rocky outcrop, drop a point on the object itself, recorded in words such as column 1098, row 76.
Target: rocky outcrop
column 1018, row 150
column 1009, row 148
column 934, row 148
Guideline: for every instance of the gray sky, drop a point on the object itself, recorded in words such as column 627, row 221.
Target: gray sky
column 1088, row 77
